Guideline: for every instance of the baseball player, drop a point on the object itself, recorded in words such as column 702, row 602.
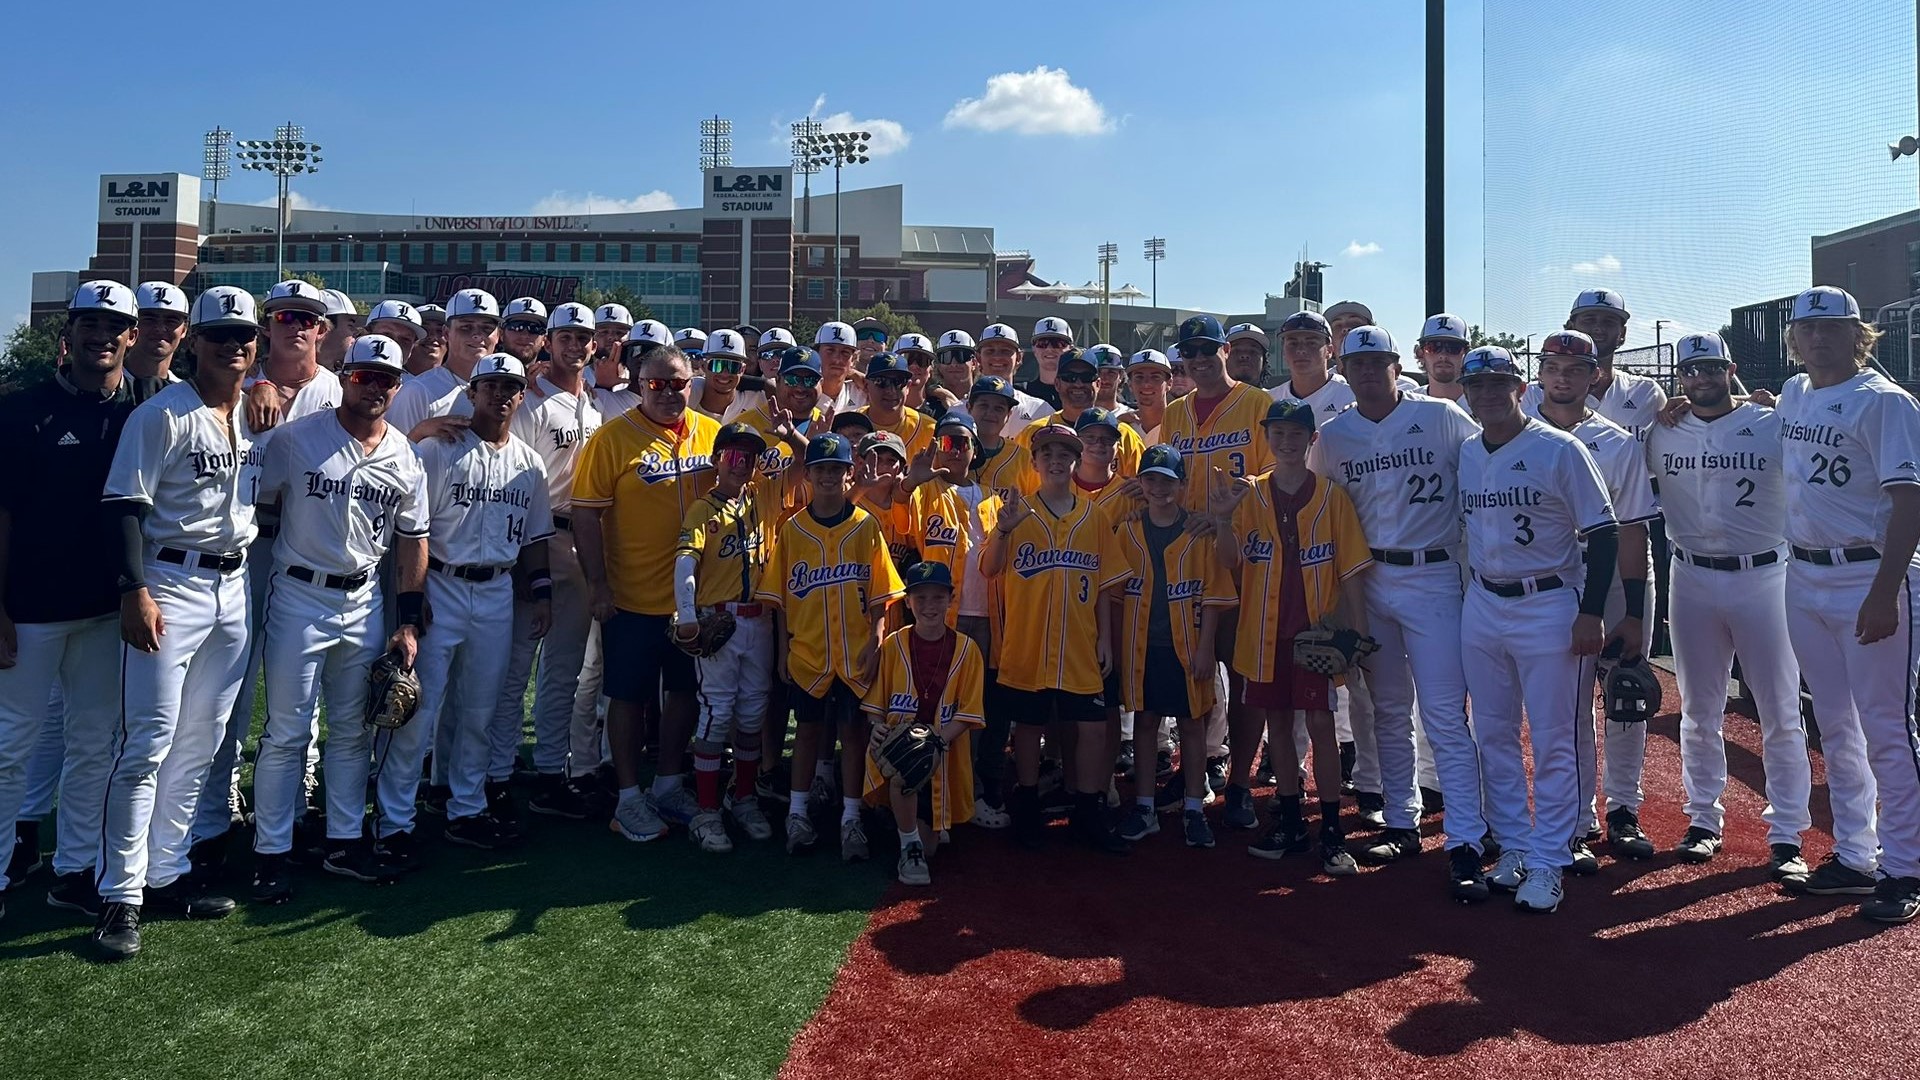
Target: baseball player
column 954, row 370
column 1397, row 456
column 1295, row 546
column 343, row 324
column 1443, row 341
column 1001, row 462
column 646, row 338
column 347, row 489
column 490, row 520
column 163, row 326
column 870, row 338
column 1343, row 315
column 789, row 417
column 1110, row 368
column 716, row 392
column 1724, row 496
column 830, row 579
column 180, row 492
column 879, row 479
column 917, row 350
column 888, row 377
column 1148, row 375
column 431, row 349
column 927, row 674
column 722, row 549
column 398, row 320
column 1057, row 562
column 1074, row 380
column 839, row 387
column 556, row 422
column 1180, row 384
column 523, row 330
column 1852, row 441
column 1052, row 339
column 1567, row 363
column 611, row 323
column 57, row 630
column 436, row 403
column 1530, row 493
column 999, row 356
column 1629, row 400
column 771, row 344
column 1097, row 474
column 1246, row 355
column 692, row 341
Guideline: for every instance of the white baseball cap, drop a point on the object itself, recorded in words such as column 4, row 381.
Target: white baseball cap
column 338, row 303
column 727, row 344
column 1105, row 356
column 914, row 343
column 1697, row 347
column 1363, row 340
column 956, row 339
column 1247, row 331
column 377, row 351
column 650, row 332
column 432, row 313
column 525, row 307
column 1348, row 307
column 1052, row 327
column 473, row 302
column 499, row 365
column 777, row 338
column 1600, row 300
column 571, row 315
column 1000, row 332
column 690, row 337
column 1149, row 358
column 834, row 333
column 108, row 296
column 1824, row 302
column 612, row 313
column 1444, row 327
column 224, row 305
column 295, row 296
column 396, row 309
column 160, row 296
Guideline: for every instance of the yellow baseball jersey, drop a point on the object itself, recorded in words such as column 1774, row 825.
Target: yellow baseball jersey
column 940, row 523
column 1009, row 469
column 1332, row 549
column 893, row 700
column 914, row 428
column 827, row 580
column 1126, row 456
column 647, row 477
column 1232, row 438
column 1112, row 503
column 1192, row 579
column 728, row 539
column 1057, row 566
column 778, row 473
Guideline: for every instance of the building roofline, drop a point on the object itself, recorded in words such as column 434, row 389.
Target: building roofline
column 1907, row 217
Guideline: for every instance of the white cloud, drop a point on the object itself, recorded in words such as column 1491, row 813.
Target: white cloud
column 888, row 136
column 295, row 201
column 1043, row 101
column 1605, row 264
column 1357, row 250
column 565, row 203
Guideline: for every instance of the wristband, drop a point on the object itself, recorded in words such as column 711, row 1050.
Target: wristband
column 413, row 609
column 543, row 592
column 543, row 580
column 1635, row 591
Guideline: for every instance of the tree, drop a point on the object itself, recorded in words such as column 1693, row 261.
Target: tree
column 1510, row 342
column 32, row 353
column 895, row 322
column 619, row 294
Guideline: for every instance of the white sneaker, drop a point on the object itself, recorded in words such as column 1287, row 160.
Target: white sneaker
column 1509, row 873
column 988, row 817
column 751, row 819
column 634, row 819
column 678, row 806
column 853, row 841
column 800, row 833
column 1541, row 892
column 709, row 830
column 913, row 865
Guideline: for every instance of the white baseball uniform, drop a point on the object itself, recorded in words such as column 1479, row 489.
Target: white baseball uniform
column 341, row 507
column 1402, row 475
column 194, row 473
column 556, row 426
column 1026, row 409
column 1723, row 492
column 1527, row 503
column 1631, row 401
column 487, row 503
column 1844, row 446
column 438, row 392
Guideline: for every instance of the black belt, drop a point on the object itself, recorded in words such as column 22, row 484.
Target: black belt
column 562, row 521
column 466, row 573
column 225, row 563
column 1410, row 558
column 1511, row 589
column 1826, row 556
column 1729, row 562
column 331, row 581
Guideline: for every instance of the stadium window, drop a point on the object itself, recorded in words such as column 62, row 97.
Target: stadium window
column 846, row 291
column 549, row 252
column 816, row 289
column 439, row 257
column 689, row 253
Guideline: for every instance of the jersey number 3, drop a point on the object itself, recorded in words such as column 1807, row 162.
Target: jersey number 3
column 1522, row 529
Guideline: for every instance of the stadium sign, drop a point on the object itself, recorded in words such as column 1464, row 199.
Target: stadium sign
column 150, row 198
column 749, row 193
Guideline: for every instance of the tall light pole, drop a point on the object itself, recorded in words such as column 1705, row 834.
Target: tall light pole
column 1156, row 250
column 839, row 149
column 805, row 132
column 286, row 155
column 716, row 144
column 1109, row 254
column 215, row 167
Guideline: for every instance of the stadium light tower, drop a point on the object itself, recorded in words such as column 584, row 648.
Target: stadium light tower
column 1109, row 254
column 804, row 133
column 286, row 155
column 839, row 149
column 215, row 167
column 1156, row 250
column 716, row 144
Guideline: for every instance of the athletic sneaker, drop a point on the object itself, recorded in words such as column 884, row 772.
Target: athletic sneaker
column 1349, row 754
column 1263, row 772
column 1895, row 900
column 853, row 841
column 26, row 853
column 912, row 867
column 116, row 936
column 75, row 892
column 800, row 833
column 1171, row 796
column 1468, row 881
column 1785, row 861
column 272, row 880
column 1199, row 834
column 1698, row 846
column 709, row 831
column 634, row 819
column 1285, row 838
column 1585, row 862
column 1431, row 802
column 1162, row 765
column 479, row 831
column 1624, row 835
column 1334, row 857
column 771, row 784
column 559, row 798
column 1833, row 878
column 1216, row 774
column 990, row 817
column 1140, row 823
column 1509, row 873
column 678, row 806
column 1239, row 813
column 1373, row 808
column 435, row 800
column 748, row 815
column 820, row 791
column 358, row 860
column 1541, row 892
column 1392, row 844
column 183, row 899
column 400, row 852
column 1123, row 761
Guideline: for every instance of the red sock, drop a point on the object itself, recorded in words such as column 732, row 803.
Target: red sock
column 744, row 774
column 706, row 781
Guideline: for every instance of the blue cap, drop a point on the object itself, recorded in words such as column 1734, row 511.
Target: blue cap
column 1098, row 417
column 956, row 418
column 1489, row 360
column 855, row 419
column 798, row 358
column 991, row 384
column 1163, row 460
column 1311, row 321
column 1075, row 356
column 886, row 363
column 1290, row 411
column 928, row 573
column 823, row 449
column 1202, row 328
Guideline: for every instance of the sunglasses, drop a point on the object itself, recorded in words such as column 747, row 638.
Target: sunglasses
column 525, row 326
column 302, row 319
column 872, row 335
column 801, row 378
column 895, row 381
column 230, row 335
column 379, row 380
column 1489, row 366
column 736, row 458
column 1052, row 343
column 1194, row 352
column 1696, row 368
column 919, row 360
column 957, row 356
column 676, row 384
column 720, row 365
column 1075, row 376
column 953, row 444
column 1451, row 348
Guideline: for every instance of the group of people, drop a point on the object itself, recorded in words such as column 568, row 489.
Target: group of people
column 1104, row 568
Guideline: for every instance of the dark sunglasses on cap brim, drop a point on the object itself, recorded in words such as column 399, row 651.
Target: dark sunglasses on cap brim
column 1489, row 365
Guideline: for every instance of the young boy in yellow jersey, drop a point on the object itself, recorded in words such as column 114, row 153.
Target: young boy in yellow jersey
column 785, row 421
column 1001, row 464
column 1057, row 561
column 1097, row 476
column 879, row 468
column 935, row 676
column 830, row 579
column 1169, row 622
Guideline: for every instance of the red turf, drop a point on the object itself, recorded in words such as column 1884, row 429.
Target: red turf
column 1184, row 963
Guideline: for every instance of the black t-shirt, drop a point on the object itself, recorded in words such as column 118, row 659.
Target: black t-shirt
column 57, row 444
column 1044, row 391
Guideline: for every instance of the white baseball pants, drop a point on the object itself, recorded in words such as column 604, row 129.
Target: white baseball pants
column 734, row 683
column 215, row 815
column 82, row 654
column 562, row 653
column 1414, row 613
column 1517, row 659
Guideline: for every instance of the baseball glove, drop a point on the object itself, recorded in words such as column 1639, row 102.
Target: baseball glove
column 907, row 753
column 716, row 627
column 393, row 692
column 1633, row 693
column 1329, row 650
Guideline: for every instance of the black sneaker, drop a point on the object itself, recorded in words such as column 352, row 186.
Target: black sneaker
column 1624, row 835
column 209, row 857
column 1585, row 862
column 1698, row 846
column 1468, row 880
column 1162, row 765
column 1171, row 795
column 1263, row 772
column 1392, row 844
column 400, row 852
column 1285, row 838
column 1240, row 813
column 1489, row 848
column 435, row 800
column 357, row 859
column 185, row 900
column 1785, row 861
column 26, row 853
column 1335, row 859
column 1373, row 808
column 1216, row 774
column 1432, row 802
column 1832, row 878
column 116, row 936
column 558, row 798
column 503, row 811
column 1123, row 761
column 1349, row 753
column 479, row 831
column 75, row 892
column 771, row 784
column 1895, row 900
column 272, row 879
column 309, row 838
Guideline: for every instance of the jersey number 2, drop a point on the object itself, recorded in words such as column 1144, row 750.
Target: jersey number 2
column 1745, row 487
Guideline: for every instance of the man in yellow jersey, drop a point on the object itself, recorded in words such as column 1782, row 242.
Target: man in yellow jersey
column 639, row 475
column 785, row 422
column 1075, row 382
column 888, row 375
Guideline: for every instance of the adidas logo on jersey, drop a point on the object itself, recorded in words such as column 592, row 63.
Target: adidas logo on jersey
column 1835, row 408
column 68, row 440
column 1414, row 430
column 1519, row 466
column 1744, row 431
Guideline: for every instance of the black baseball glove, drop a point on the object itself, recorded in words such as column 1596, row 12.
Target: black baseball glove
column 1330, row 650
column 1633, row 693
column 908, row 753
column 716, row 628
column 393, row 692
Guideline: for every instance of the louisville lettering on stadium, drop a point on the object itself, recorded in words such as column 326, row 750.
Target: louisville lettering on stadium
column 549, row 289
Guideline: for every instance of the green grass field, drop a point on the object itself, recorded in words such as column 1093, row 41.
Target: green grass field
column 576, row 954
